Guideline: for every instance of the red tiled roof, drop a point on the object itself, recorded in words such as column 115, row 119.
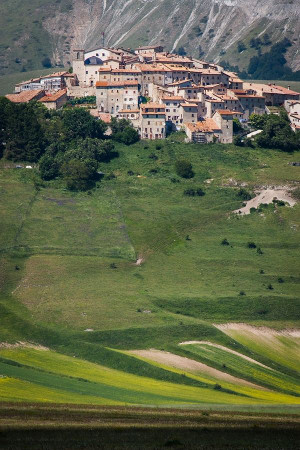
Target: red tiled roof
column 25, row 96
column 152, row 105
column 53, row 97
column 286, row 91
column 205, row 126
column 227, row 112
column 117, row 83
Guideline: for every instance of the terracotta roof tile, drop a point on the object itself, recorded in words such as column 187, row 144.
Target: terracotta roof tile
column 25, row 96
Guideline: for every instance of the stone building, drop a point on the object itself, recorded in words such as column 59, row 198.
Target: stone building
column 114, row 96
column 153, row 121
column 56, row 100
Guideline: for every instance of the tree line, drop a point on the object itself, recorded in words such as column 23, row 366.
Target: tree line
column 69, row 143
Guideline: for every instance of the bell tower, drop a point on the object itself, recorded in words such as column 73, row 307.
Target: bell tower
column 78, row 65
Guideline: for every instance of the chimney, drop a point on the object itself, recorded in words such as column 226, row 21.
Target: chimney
column 289, row 87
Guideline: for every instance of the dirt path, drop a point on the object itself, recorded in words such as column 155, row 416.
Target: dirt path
column 229, row 350
column 267, row 196
column 190, row 365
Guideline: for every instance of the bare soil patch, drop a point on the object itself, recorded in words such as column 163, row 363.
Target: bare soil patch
column 190, row 365
column 266, row 196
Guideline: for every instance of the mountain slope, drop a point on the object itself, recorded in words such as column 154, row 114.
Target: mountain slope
column 205, row 28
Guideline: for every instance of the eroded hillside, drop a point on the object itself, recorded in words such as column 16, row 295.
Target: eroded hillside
column 205, row 28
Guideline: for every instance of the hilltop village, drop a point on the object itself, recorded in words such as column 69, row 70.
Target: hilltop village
column 160, row 92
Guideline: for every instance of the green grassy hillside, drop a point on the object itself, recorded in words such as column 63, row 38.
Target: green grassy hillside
column 70, row 283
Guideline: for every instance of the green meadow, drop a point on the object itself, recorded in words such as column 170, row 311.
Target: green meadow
column 77, row 311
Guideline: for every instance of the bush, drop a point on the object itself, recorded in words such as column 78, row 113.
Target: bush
column 184, row 168
column 251, row 245
column 194, row 192
column 200, row 192
column 225, row 242
column 270, row 287
column 174, row 180
column 244, row 195
column 78, row 175
column 259, row 251
column 280, row 280
column 242, row 293
column 153, row 156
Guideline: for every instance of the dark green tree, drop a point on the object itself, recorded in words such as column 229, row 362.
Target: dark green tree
column 184, row 168
column 78, row 123
column 78, row 175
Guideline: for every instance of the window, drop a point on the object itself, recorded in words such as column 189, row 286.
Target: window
column 86, row 72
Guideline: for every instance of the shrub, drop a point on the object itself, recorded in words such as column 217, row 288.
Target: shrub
column 158, row 146
column 184, row 168
column 217, row 387
column 225, row 242
column 153, row 156
column 194, row 192
column 174, row 180
column 261, row 271
column 113, row 266
column 280, row 280
column 259, row 251
column 130, row 173
column 200, row 192
column 251, row 245
column 189, row 192
column 244, row 195
column 270, row 287
column 242, row 293
column 252, row 210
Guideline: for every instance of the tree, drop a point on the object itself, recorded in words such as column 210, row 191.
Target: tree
column 79, row 123
column 241, row 46
column 278, row 134
column 24, row 135
column 184, row 168
column 4, row 112
column 49, row 167
column 128, row 137
column 78, row 175
column 90, row 149
column 258, row 121
column 123, row 131
column 237, row 126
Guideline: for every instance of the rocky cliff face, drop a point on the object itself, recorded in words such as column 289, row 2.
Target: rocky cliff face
column 206, row 28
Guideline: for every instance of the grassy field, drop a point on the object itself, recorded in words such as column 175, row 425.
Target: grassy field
column 72, row 294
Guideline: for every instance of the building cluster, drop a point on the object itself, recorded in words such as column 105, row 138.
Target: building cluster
column 160, row 92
